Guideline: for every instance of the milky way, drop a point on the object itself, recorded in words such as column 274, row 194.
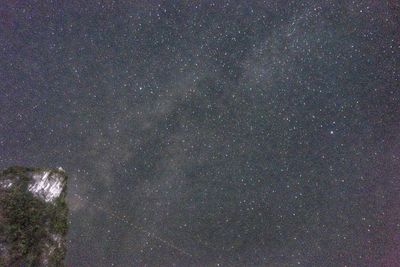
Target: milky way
column 201, row 133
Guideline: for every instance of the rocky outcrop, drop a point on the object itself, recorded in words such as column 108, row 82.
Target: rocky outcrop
column 33, row 216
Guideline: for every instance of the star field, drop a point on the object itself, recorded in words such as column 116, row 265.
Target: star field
column 211, row 133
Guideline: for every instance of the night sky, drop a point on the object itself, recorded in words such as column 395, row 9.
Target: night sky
column 211, row 133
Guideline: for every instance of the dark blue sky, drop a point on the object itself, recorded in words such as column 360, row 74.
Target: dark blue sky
column 199, row 133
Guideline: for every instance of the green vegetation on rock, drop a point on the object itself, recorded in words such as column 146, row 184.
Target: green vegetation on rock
column 32, row 231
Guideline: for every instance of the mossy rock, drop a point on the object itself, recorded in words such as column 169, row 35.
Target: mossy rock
column 33, row 216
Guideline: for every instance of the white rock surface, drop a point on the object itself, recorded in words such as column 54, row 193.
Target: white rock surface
column 46, row 186
column 6, row 184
